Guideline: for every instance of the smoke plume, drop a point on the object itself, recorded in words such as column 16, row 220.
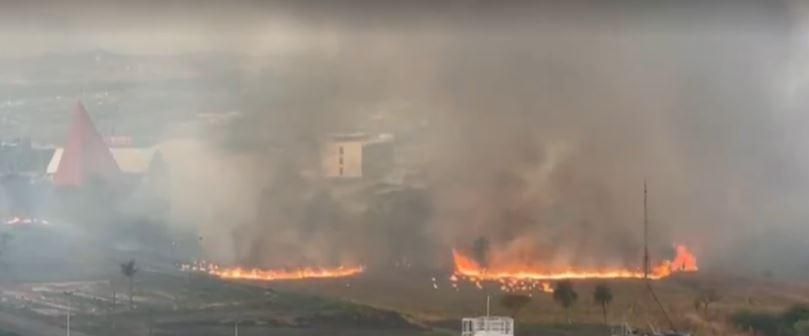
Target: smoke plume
column 530, row 126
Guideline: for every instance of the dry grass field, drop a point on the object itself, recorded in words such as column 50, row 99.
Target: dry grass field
column 417, row 297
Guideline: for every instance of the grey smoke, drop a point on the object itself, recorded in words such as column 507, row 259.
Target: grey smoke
column 538, row 124
column 539, row 136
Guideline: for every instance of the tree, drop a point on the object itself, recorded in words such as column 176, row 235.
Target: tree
column 757, row 323
column 565, row 296
column 602, row 295
column 801, row 328
column 792, row 322
column 795, row 314
column 514, row 303
column 128, row 269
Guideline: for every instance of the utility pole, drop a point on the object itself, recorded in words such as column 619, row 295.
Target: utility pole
column 68, row 294
column 236, row 328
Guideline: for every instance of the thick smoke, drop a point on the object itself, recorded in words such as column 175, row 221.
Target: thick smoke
column 537, row 140
column 535, row 127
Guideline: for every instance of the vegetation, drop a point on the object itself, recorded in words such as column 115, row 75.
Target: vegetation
column 128, row 269
column 705, row 298
column 793, row 322
column 801, row 328
column 602, row 295
column 566, row 296
column 514, row 303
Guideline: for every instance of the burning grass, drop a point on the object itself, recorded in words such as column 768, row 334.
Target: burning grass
column 239, row 273
column 523, row 276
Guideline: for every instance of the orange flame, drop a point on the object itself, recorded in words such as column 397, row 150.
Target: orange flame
column 685, row 261
column 468, row 268
column 274, row 274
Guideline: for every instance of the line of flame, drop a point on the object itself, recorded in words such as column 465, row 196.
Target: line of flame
column 276, row 274
column 469, row 268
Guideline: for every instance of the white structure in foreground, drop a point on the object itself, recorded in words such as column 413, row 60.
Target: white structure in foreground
column 487, row 326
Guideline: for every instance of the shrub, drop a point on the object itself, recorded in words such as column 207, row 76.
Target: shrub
column 792, row 322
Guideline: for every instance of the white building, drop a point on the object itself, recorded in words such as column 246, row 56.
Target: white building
column 487, row 326
column 343, row 158
column 130, row 160
column 356, row 155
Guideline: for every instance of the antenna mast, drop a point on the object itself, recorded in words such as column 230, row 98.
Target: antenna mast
column 488, row 301
column 646, row 261
column 645, row 237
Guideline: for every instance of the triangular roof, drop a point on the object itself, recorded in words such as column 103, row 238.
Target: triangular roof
column 85, row 155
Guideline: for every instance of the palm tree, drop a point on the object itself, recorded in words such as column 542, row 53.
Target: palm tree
column 514, row 303
column 565, row 296
column 602, row 295
column 128, row 269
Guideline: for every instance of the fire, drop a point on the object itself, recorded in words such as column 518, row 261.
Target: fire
column 685, row 261
column 510, row 276
column 239, row 273
column 509, row 285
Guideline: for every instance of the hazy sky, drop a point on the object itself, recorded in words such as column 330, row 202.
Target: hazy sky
column 169, row 27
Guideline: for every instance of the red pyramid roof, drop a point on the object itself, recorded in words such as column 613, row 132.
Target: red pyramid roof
column 85, row 155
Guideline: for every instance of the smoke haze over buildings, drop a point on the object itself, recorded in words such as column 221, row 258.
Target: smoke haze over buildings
column 538, row 124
